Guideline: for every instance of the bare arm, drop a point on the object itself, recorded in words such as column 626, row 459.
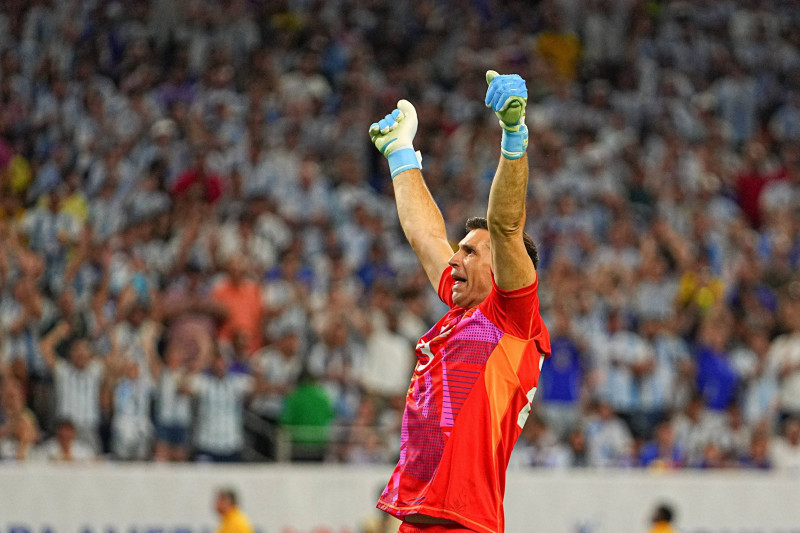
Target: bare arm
column 422, row 223
column 512, row 267
column 48, row 344
column 420, row 218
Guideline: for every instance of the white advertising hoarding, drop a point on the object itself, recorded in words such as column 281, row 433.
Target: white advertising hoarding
column 152, row 498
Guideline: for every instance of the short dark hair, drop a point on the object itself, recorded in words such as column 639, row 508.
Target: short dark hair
column 530, row 246
column 663, row 513
column 229, row 494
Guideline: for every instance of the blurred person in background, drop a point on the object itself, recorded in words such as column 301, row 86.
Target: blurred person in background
column 19, row 430
column 220, row 396
column 696, row 429
column 240, row 296
column 563, row 375
column 130, row 394
column 336, row 360
column 64, row 446
column 232, row 519
column 662, row 452
column 785, row 450
column 609, row 440
column 717, row 379
column 173, row 410
column 536, row 446
column 662, row 519
column 78, row 381
column 759, row 380
column 625, row 361
column 278, row 366
column 785, row 353
column 307, row 416
column 758, row 454
column 388, row 355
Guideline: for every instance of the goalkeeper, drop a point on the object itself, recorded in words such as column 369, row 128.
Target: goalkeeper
column 478, row 367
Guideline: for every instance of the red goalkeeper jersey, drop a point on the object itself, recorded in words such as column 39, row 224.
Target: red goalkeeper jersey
column 477, row 370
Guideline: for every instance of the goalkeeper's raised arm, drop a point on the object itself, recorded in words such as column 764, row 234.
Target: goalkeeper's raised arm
column 512, row 258
column 420, row 218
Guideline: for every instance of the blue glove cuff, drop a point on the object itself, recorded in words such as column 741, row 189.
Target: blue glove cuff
column 514, row 143
column 402, row 160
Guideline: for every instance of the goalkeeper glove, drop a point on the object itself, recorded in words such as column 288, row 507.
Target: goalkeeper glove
column 508, row 96
column 393, row 136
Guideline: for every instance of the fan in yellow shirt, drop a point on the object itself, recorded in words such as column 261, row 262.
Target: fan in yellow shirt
column 232, row 519
column 662, row 520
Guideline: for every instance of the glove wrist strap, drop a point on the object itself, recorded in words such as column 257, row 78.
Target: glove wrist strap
column 514, row 143
column 402, row 160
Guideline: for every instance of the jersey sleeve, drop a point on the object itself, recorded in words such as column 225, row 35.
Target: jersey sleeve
column 445, row 290
column 517, row 313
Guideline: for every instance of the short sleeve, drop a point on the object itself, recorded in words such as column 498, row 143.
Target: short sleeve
column 517, row 313
column 445, row 290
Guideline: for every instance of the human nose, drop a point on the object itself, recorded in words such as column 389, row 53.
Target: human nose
column 455, row 259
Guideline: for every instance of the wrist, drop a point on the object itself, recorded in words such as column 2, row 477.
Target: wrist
column 402, row 160
column 514, row 143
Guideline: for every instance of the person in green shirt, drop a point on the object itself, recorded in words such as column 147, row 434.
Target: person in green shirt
column 307, row 415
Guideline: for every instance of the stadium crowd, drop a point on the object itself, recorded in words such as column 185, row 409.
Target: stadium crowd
column 199, row 250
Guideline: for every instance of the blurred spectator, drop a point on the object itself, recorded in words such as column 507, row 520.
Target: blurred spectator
column 78, row 382
column 198, row 182
column 574, row 454
column 279, row 366
column 65, row 446
column 716, row 378
column 562, row 378
column 696, row 429
column 625, row 360
column 336, row 360
column 131, row 428
column 388, row 355
column 307, row 415
column 662, row 519
column 785, row 354
column 759, row 380
column 220, row 395
column 609, row 440
column 241, row 298
column 536, row 445
column 19, row 431
column 758, row 455
column 232, row 519
column 785, row 451
column 173, row 410
column 365, row 443
column 662, row 452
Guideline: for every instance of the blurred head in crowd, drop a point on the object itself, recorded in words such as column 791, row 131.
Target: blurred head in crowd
column 80, row 352
column 65, row 433
column 226, row 500
column 663, row 513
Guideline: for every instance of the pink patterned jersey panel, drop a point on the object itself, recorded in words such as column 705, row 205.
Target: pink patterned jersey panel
column 451, row 357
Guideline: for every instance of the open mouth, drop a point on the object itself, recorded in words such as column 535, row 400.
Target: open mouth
column 458, row 279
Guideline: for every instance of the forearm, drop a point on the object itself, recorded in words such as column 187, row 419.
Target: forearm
column 419, row 215
column 506, row 212
column 422, row 223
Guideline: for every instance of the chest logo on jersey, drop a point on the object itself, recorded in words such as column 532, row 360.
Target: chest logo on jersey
column 425, row 350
